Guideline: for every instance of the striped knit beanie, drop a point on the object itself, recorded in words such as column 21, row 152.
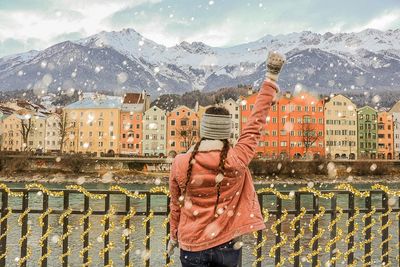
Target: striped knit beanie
column 216, row 127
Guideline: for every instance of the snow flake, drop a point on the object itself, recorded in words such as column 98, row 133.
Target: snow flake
column 211, row 3
column 373, row 167
column 122, row 77
column 238, row 245
column 81, row 180
column 55, row 238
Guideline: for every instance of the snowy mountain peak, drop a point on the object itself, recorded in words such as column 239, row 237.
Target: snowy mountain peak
column 125, row 60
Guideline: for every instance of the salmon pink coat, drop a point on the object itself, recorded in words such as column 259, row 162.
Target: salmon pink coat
column 194, row 225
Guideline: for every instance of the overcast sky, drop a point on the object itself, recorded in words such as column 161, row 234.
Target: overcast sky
column 37, row 24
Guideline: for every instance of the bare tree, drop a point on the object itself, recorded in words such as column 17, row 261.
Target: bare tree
column 26, row 128
column 187, row 133
column 64, row 126
column 309, row 134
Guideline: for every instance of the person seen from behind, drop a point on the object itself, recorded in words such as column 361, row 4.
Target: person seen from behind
column 213, row 200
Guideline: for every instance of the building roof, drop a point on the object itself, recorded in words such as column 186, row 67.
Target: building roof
column 97, row 102
column 367, row 107
column 395, row 108
column 134, row 98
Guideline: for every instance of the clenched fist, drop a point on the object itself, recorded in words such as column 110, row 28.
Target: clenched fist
column 275, row 62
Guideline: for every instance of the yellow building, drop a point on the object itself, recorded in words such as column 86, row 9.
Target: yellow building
column 11, row 135
column 340, row 128
column 95, row 125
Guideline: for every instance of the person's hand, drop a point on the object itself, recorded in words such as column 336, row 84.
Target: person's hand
column 172, row 244
column 275, row 62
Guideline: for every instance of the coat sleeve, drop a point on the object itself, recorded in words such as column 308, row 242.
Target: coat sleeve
column 246, row 146
column 175, row 210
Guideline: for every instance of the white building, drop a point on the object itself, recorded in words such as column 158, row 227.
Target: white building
column 52, row 140
column 154, row 132
column 395, row 111
column 233, row 107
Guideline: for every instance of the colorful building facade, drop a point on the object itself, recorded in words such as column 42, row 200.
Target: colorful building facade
column 95, row 125
column 385, row 135
column 294, row 127
column 340, row 128
column 395, row 111
column 154, row 132
column 131, row 117
column 367, row 123
column 182, row 129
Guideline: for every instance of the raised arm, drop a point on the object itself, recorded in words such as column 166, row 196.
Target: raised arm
column 246, row 146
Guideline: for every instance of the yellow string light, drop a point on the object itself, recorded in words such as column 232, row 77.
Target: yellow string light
column 146, row 220
column 63, row 215
column 350, row 188
column 9, row 192
column 2, row 219
column 385, row 189
column 351, row 234
column 275, row 192
column 316, row 192
column 45, row 235
column 106, row 233
column 44, row 189
column 160, row 189
column 368, row 241
column 390, row 237
column 283, row 237
column 84, row 235
column 23, row 238
column 82, row 190
column 298, row 236
column 125, row 191
column 126, row 236
column 321, row 231
column 336, row 239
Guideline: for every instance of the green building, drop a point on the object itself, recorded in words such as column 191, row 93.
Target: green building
column 367, row 123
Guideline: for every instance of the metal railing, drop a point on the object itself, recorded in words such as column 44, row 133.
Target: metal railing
column 343, row 226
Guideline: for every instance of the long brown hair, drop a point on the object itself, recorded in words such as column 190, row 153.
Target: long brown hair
column 223, row 156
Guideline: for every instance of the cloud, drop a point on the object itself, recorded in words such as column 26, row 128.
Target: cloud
column 224, row 23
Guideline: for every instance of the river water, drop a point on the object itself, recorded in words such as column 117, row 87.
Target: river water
column 158, row 203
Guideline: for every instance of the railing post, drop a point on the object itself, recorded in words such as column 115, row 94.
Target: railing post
column 278, row 229
column 3, row 241
column 24, row 228
column 297, row 227
column 85, row 227
column 350, row 229
column 127, row 226
column 333, row 232
column 259, row 233
column 106, row 227
column 148, row 205
column 45, row 228
column 65, row 231
column 315, row 230
column 367, row 247
column 168, row 260
column 385, row 232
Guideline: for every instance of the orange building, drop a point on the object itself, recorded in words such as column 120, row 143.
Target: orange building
column 385, row 135
column 183, row 129
column 131, row 116
column 294, row 127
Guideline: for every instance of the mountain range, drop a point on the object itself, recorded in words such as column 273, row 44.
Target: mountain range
column 121, row 61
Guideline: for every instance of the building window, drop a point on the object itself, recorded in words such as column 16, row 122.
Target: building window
column 172, row 122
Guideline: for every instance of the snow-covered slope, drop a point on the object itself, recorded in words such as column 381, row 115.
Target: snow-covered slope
column 324, row 62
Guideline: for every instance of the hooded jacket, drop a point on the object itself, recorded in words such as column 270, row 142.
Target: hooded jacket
column 194, row 225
